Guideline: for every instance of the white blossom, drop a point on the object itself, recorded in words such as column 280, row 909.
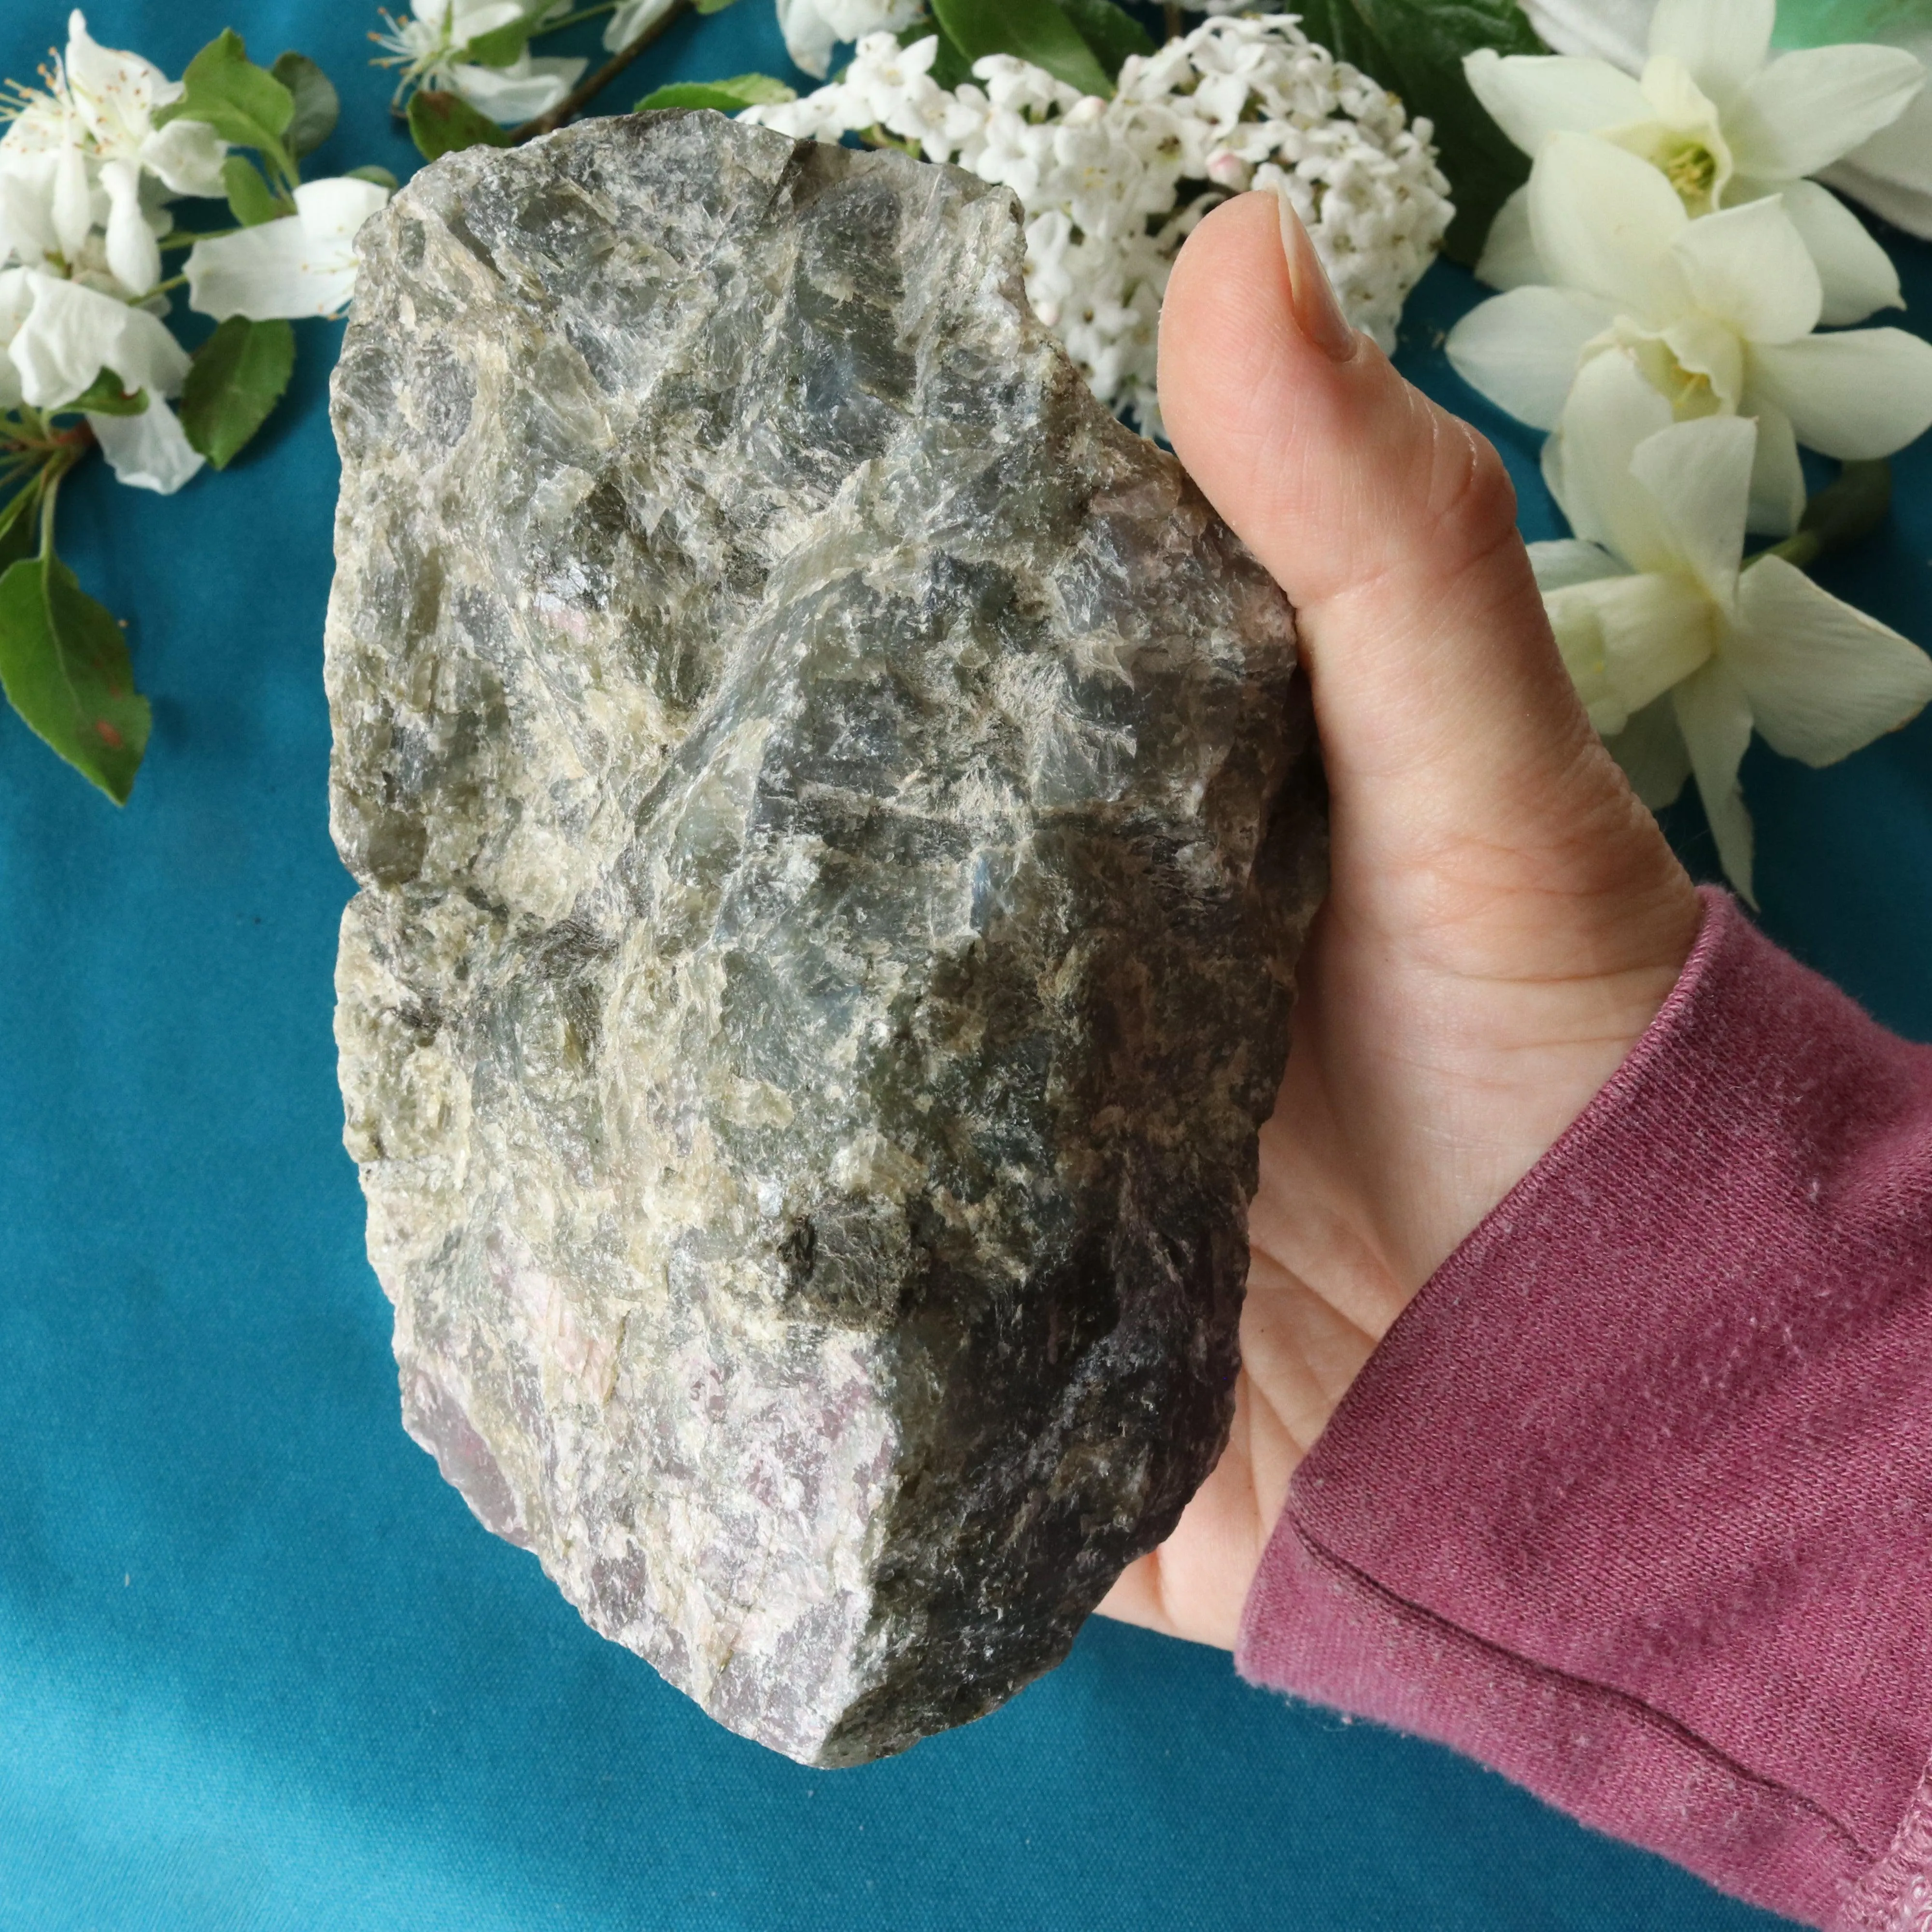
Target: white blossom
column 813, row 28
column 302, row 265
column 59, row 335
column 1723, row 122
column 84, row 154
column 1677, row 648
column 1718, row 311
column 1110, row 189
column 1891, row 172
column 430, row 42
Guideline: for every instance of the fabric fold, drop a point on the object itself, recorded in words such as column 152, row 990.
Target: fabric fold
column 1634, row 1502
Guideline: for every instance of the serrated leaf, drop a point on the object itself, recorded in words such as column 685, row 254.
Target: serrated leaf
column 1112, row 32
column 236, row 378
column 317, row 105
column 107, row 395
column 742, row 90
column 63, row 665
column 251, row 200
column 444, row 123
column 241, row 102
column 1032, row 30
column 1414, row 48
column 369, row 172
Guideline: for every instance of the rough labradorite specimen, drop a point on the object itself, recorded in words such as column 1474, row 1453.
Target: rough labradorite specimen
column 836, row 815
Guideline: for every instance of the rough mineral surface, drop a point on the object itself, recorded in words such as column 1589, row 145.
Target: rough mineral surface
column 836, row 816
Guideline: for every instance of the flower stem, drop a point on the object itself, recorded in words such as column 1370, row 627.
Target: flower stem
column 583, row 14
column 581, row 96
column 1852, row 505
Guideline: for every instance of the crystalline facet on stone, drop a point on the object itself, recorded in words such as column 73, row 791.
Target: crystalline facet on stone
column 836, row 816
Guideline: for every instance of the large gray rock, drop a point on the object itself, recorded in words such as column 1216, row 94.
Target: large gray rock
column 836, row 815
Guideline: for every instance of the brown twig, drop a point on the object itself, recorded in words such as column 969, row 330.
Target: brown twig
column 586, row 91
column 1173, row 21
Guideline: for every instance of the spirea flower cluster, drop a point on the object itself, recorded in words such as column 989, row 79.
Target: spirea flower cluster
column 1110, row 189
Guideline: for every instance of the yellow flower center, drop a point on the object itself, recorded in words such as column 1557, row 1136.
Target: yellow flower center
column 1692, row 170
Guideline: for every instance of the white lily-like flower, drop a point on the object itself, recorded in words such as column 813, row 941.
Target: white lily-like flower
column 1678, row 652
column 1723, row 122
column 80, row 148
column 60, row 335
column 1891, row 173
column 1719, row 311
column 429, row 43
column 303, row 264
column 813, row 28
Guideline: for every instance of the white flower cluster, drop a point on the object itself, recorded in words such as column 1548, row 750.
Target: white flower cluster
column 1110, row 189
column 1666, row 273
column 85, row 179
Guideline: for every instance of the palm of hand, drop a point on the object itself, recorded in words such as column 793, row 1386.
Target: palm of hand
column 1503, row 919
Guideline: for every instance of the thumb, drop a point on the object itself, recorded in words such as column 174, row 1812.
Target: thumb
column 1452, row 735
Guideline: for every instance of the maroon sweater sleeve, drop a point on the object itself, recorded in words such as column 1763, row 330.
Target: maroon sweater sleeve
column 1634, row 1502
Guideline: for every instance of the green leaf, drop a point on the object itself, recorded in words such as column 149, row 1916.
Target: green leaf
column 16, row 526
column 369, row 172
column 443, row 124
column 241, row 102
column 1825, row 23
column 715, row 6
column 1112, row 32
column 251, row 200
column 64, row 668
column 237, row 376
column 1033, row 30
column 107, row 395
column 317, row 105
column 1415, row 48
column 742, row 90
column 500, row 46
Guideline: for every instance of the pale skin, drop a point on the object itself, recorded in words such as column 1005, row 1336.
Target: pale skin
column 1504, row 920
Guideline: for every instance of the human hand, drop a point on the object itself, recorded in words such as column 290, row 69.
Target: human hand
column 1504, row 918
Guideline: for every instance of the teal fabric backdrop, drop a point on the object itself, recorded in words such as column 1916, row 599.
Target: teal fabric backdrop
column 259, row 1667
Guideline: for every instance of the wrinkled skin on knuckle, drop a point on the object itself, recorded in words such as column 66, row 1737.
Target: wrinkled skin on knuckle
column 1470, row 504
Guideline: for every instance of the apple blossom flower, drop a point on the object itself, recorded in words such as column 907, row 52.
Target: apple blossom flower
column 60, row 335
column 77, row 153
column 1723, row 122
column 1678, row 648
column 430, row 42
column 1719, row 313
column 303, row 264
